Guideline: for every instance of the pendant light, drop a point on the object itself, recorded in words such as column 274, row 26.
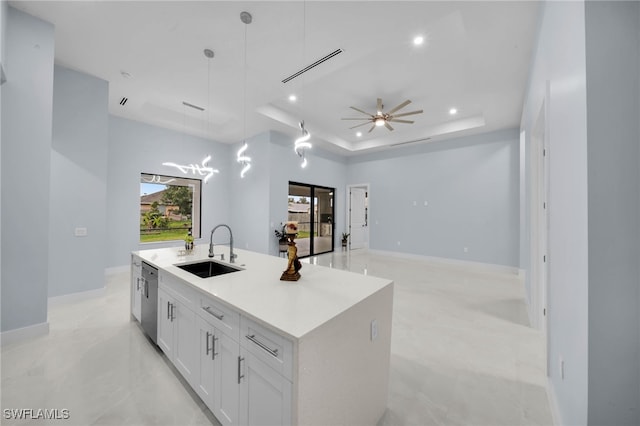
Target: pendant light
column 302, row 143
column 242, row 158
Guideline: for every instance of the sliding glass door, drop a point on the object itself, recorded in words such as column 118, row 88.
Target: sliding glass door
column 312, row 206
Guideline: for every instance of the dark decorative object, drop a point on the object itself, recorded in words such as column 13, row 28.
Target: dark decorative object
column 294, row 265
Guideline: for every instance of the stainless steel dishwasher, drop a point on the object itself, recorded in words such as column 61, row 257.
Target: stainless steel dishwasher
column 150, row 301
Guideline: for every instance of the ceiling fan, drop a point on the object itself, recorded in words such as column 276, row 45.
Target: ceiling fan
column 381, row 118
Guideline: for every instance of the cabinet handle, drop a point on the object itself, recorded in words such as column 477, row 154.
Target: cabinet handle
column 138, row 284
column 210, row 312
column 173, row 312
column 213, row 351
column 240, row 376
column 168, row 310
column 208, row 348
column 272, row 352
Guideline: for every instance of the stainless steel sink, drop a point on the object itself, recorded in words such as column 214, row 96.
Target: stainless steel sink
column 208, row 268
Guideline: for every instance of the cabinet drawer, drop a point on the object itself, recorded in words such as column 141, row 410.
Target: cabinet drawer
column 182, row 291
column 272, row 348
column 221, row 317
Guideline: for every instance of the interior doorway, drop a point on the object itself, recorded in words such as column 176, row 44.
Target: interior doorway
column 358, row 202
column 313, row 207
column 540, row 256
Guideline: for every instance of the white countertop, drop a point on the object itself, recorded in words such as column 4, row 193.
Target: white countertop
column 292, row 307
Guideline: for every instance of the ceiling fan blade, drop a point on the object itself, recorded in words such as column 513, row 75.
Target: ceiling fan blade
column 401, row 121
column 354, row 118
column 402, row 105
column 359, row 110
column 371, row 129
column 358, row 125
column 407, row 113
column 388, row 126
column 379, row 106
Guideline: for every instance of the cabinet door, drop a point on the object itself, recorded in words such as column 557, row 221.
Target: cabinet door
column 136, row 288
column 204, row 370
column 165, row 323
column 185, row 341
column 226, row 404
column 265, row 395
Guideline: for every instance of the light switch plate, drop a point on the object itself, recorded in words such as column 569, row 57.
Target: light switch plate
column 80, row 232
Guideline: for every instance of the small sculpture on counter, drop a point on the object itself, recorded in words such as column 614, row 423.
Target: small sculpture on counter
column 294, row 265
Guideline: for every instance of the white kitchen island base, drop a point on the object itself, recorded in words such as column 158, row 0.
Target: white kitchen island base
column 258, row 350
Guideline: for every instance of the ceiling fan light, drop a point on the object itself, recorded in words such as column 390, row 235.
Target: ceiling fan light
column 379, row 122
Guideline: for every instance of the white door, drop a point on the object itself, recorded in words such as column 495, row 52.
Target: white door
column 136, row 288
column 265, row 395
column 186, row 343
column 226, row 406
column 165, row 323
column 204, row 369
column 358, row 227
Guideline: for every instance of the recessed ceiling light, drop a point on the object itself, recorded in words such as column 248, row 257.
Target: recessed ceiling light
column 359, row 134
column 453, row 111
column 292, row 98
column 418, row 40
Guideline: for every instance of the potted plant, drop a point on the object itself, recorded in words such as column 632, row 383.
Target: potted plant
column 345, row 239
column 282, row 239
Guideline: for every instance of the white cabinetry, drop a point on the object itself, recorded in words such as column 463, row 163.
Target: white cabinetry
column 241, row 370
column 219, row 353
column 177, row 332
column 136, row 287
column 266, row 373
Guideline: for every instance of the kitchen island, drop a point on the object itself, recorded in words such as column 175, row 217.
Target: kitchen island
column 258, row 350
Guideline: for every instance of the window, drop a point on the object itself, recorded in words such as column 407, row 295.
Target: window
column 169, row 207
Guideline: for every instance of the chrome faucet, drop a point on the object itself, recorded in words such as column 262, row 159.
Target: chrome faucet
column 232, row 256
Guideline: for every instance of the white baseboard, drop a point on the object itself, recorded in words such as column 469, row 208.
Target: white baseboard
column 24, row 333
column 117, row 270
column 479, row 266
column 76, row 297
column 553, row 404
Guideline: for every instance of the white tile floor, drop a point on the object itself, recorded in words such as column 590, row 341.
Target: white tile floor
column 462, row 354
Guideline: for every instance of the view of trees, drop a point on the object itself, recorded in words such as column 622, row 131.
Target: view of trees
column 180, row 196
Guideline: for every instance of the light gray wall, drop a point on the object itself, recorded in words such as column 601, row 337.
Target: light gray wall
column 471, row 186
column 4, row 10
column 560, row 58
column 613, row 81
column 324, row 169
column 26, row 151
column 78, row 184
column 135, row 148
column 249, row 196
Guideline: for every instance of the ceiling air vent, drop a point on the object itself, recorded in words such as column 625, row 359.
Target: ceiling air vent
column 408, row 142
column 123, row 101
column 313, row 65
column 192, row 106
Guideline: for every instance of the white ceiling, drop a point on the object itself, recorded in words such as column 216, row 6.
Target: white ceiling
column 475, row 58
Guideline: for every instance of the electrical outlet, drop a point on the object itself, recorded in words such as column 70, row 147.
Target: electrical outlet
column 426, row 203
column 374, row 330
column 398, row 243
column 466, row 249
